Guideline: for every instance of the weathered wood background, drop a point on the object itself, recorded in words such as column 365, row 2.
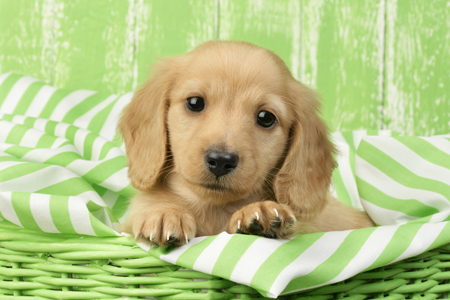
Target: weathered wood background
column 378, row 64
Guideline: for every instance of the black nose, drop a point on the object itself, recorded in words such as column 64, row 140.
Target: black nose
column 221, row 163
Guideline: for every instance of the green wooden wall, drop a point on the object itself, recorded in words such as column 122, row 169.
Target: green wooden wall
column 378, row 64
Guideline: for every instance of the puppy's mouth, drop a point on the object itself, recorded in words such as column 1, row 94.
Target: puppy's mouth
column 216, row 187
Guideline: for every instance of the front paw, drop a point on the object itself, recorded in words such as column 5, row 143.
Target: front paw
column 268, row 219
column 165, row 227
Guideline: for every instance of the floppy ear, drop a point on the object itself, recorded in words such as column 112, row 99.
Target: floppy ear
column 144, row 130
column 304, row 178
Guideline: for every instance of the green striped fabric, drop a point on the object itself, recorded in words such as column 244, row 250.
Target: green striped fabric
column 62, row 171
column 61, row 167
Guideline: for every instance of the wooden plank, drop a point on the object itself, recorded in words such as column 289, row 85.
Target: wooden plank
column 170, row 27
column 25, row 39
column 94, row 45
column 418, row 67
column 271, row 24
column 342, row 56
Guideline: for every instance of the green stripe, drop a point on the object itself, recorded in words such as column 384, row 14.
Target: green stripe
column 104, row 170
column 19, row 170
column 46, row 141
column 59, row 211
column 16, row 134
column 232, row 253
column 338, row 260
column 99, row 228
column 83, row 107
column 88, row 145
column 282, row 257
column 96, row 124
column 63, row 159
column 7, row 85
column 57, row 96
column 442, row 238
column 105, row 150
column 121, row 206
column 29, row 122
column 410, row 207
column 27, row 98
column 189, row 256
column 398, row 244
column 18, row 151
column 427, row 151
column 398, row 172
column 21, row 204
column 341, row 191
column 9, row 158
column 69, row 187
column 50, row 127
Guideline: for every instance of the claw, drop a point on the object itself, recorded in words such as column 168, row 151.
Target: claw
column 187, row 239
column 257, row 216
column 239, row 225
column 168, row 236
column 276, row 212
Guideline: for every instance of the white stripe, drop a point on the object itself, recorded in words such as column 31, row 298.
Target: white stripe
column 39, row 101
column 206, row 260
column 410, row 160
column 94, row 197
column 117, row 181
column 40, row 124
column 392, row 188
column 384, row 216
column 18, row 119
column 61, row 129
column 345, row 169
column 369, row 252
column 357, row 137
column 7, row 164
column 40, row 155
column 108, row 130
column 16, row 93
column 99, row 142
column 3, row 77
column 69, row 102
column 31, row 138
column 7, row 209
column 84, row 120
column 79, row 139
column 173, row 256
column 440, row 143
column 5, row 129
column 37, row 180
column 40, row 209
column 310, row 259
column 253, row 258
column 79, row 216
column 110, row 198
column 423, row 239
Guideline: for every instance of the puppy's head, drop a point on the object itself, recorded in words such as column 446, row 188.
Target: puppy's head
column 230, row 121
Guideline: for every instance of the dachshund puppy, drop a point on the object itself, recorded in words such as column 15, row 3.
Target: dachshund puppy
column 225, row 139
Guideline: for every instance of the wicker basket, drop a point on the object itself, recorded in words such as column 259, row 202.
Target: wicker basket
column 48, row 266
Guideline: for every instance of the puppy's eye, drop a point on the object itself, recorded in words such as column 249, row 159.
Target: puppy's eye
column 266, row 119
column 195, row 104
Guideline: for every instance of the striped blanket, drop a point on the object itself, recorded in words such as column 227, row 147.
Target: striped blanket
column 62, row 171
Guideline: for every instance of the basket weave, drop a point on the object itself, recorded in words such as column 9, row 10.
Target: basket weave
column 47, row 266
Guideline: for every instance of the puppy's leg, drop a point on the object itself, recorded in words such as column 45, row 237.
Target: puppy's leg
column 338, row 216
column 161, row 218
column 268, row 219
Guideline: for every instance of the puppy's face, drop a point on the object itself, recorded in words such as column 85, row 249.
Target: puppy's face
column 228, row 123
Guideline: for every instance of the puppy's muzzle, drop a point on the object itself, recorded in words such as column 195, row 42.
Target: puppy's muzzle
column 221, row 163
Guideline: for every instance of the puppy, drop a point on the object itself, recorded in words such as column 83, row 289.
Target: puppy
column 225, row 139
